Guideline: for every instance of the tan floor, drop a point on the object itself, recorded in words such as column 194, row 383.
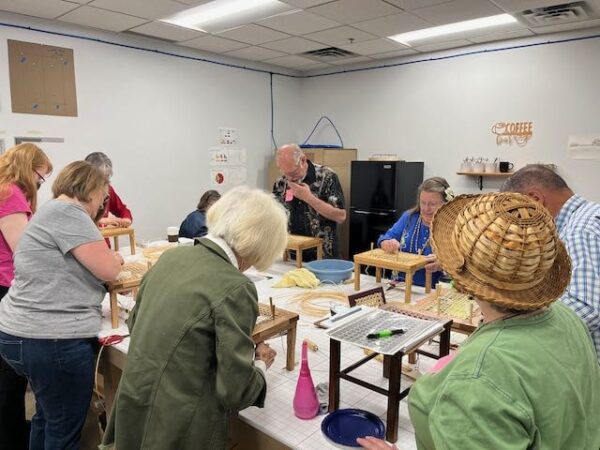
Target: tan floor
column 90, row 437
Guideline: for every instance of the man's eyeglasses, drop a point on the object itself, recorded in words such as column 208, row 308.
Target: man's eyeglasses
column 296, row 173
column 41, row 179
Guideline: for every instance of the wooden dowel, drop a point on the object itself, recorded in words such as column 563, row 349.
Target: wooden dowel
column 272, row 308
column 311, row 345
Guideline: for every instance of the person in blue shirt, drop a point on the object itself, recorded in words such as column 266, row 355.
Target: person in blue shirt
column 194, row 224
column 578, row 225
column 410, row 233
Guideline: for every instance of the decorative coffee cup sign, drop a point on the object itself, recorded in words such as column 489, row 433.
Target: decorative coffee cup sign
column 509, row 132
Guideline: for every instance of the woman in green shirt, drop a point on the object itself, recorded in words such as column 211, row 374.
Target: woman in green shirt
column 528, row 377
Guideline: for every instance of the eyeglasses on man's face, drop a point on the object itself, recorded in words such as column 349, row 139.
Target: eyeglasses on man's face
column 297, row 173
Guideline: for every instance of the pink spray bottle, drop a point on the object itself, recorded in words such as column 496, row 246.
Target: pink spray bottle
column 306, row 404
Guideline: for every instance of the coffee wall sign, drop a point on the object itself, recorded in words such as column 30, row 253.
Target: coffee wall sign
column 509, row 132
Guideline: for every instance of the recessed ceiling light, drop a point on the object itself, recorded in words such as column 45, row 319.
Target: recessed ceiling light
column 220, row 15
column 451, row 28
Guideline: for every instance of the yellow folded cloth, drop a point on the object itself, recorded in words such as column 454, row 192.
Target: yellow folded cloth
column 298, row 277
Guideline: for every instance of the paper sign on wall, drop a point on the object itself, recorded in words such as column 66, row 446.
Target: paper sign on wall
column 584, row 147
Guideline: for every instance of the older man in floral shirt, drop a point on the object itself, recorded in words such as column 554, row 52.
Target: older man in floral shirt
column 313, row 196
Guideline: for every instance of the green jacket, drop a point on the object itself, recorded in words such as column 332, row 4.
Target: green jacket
column 521, row 383
column 190, row 359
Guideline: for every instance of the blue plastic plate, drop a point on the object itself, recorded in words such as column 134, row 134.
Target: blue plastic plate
column 345, row 425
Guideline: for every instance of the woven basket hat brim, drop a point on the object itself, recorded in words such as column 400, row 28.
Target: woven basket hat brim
column 549, row 289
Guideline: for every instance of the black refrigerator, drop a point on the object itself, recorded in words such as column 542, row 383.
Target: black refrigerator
column 380, row 192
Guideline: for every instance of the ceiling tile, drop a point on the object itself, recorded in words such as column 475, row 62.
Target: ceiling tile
column 395, row 54
column 253, row 34
column 340, row 36
column 148, row 9
column 356, row 59
column 501, row 36
column 305, row 3
column 255, row 53
column 290, row 61
column 300, row 22
column 390, row 25
column 409, row 5
column 49, row 9
column 213, row 44
column 522, row 5
column 566, row 26
column 293, row 45
column 457, row 11
column 351, row 11
column 167, row 31
column 101, row 18
column 442, row 46
column 373, row 47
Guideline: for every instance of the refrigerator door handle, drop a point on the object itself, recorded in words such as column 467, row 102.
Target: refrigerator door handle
column 373, row 213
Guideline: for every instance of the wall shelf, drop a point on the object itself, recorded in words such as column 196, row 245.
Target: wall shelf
column 480, row 176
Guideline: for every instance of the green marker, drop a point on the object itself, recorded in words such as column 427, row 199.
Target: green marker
column 385, row 333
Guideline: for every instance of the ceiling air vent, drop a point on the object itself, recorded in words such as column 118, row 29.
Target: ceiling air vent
column 328, row 54
column 557, row 14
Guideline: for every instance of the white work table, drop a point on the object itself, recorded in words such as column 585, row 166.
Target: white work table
column 277, row 418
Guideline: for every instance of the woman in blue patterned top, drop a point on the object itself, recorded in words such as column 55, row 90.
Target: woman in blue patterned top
column 410, row 233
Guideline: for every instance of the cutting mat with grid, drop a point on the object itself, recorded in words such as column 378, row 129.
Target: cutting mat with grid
column 356, row 331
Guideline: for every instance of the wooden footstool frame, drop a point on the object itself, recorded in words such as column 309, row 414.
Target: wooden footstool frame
column 116, row 232
column 299, row 243
column 283, row 322
column 392, row 368
column 407, row 263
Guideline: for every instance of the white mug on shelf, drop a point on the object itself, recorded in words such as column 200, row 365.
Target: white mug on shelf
column 478, row 167
column 490, row 168
column 465, row 166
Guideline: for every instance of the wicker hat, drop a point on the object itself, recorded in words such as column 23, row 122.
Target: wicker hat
column 502, row 248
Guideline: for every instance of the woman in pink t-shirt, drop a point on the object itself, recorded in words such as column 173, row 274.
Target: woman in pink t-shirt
column 23, row 169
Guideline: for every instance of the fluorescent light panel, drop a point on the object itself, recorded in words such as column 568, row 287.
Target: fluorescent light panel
column 451, row 28
column 220, row 15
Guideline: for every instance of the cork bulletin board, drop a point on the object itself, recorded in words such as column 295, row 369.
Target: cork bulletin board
column 42, row 79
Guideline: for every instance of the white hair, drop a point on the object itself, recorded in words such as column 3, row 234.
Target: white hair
column 252, row 223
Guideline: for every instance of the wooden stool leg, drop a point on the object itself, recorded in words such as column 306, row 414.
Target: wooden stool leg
column 378, row 274
column 412, row 358
column 285, row 255
column 116, row 240
column 427, row 282
column 393, row 405
column 298, row 258
column 408, row 286
column 356, row 276
column 291, row 348
column 114, row 310
column 334, row 375
column 320, row 251
column 132, row 242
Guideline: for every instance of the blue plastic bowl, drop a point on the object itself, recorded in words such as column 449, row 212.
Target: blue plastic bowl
column 331, row 270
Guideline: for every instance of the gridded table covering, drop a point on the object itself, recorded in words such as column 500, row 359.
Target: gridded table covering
column 356, row 330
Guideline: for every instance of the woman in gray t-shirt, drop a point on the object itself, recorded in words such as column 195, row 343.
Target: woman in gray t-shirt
column 52, row 312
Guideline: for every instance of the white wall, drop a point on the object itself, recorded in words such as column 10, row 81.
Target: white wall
column 442, row 111
column 156, row 116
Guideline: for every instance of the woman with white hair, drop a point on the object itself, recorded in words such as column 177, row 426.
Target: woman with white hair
column 191, row 359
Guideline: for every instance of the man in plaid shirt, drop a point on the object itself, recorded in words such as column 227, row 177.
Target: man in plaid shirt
column 578, row 225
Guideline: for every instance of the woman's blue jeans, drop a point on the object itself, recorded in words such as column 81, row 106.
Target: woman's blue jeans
column 61, row 375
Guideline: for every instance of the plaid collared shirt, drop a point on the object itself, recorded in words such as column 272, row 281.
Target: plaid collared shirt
column 578, row 224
